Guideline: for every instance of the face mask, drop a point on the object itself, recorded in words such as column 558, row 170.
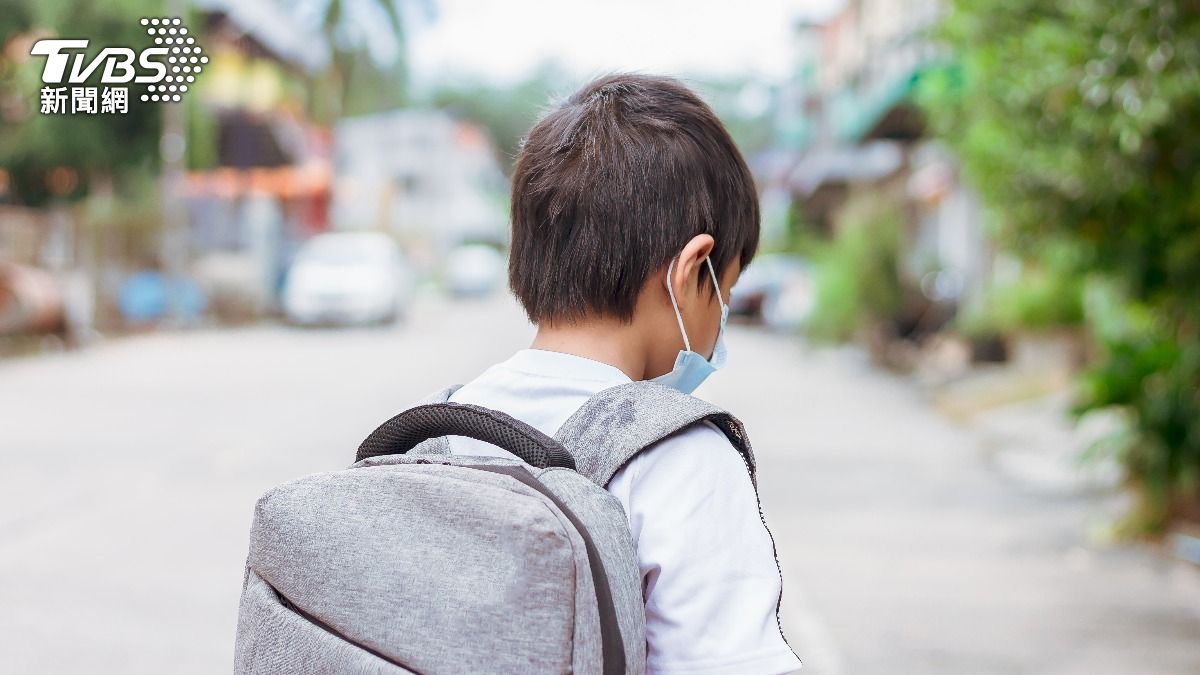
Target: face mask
column 691, row 368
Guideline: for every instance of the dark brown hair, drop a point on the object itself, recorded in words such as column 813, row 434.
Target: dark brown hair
column 610, row 184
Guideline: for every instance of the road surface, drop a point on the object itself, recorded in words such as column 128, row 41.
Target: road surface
column 128, row 472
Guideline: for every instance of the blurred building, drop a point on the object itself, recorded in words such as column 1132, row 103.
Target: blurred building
column 431, row 180
column 264, row 180
column 849, row 118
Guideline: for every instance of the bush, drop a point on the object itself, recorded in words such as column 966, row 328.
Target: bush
column 858, row 278
column 1048, row 295
column 1151, row 373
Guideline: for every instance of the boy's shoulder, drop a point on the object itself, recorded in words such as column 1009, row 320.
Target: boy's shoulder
column 620, row 423
column 694, row 481
column 700, row 454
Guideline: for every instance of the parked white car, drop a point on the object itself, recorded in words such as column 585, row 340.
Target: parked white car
column 474, row 270
column 347, row 278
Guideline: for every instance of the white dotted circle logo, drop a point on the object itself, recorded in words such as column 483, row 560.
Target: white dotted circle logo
column 170, row 34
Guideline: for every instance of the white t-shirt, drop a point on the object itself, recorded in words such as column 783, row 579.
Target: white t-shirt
column 709, row 575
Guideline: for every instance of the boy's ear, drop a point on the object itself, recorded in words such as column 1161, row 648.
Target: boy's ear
column 687, row 266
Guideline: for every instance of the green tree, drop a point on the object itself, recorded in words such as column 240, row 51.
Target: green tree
column 356, row 82
column 1079, row 121
column 32, row 145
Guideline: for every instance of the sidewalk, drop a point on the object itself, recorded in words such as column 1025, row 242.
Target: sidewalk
column 912, row 543
column 1025, row 428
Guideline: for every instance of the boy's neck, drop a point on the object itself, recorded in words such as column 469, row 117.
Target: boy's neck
column 618, row 344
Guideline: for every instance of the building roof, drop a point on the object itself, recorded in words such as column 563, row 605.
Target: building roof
column 274, row 28
column 845, row 164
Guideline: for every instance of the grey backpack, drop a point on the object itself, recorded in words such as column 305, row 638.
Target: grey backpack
column 416, row 560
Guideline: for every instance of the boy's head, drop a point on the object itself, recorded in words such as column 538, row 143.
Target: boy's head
column 626, row 175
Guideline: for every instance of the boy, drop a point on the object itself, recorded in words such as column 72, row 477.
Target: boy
column 632, row 215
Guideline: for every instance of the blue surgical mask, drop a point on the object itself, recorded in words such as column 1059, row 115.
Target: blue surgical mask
column 691, row 368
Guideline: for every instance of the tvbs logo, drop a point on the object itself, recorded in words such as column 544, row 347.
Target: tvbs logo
column 167, row 69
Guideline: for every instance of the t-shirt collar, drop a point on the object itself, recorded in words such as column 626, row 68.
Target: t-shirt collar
column 547, row 363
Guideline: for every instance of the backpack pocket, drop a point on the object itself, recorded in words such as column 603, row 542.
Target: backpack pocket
column 276, row 637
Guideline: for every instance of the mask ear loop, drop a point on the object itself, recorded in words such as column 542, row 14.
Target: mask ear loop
column 675, row 305
column 720, row 298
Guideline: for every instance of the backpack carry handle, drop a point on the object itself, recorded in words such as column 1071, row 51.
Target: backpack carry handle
column 415, row 425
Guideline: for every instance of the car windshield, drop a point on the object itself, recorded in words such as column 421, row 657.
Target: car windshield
column 345, row 251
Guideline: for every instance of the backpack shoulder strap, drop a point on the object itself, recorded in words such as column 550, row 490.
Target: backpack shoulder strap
column 613, row 426
column 441, row 444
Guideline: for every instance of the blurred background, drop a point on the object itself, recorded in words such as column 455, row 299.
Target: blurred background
column 968, row 351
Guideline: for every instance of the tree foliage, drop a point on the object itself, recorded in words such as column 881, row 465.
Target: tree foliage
column 32, row 145
column 1079, row 121
column 354, row 80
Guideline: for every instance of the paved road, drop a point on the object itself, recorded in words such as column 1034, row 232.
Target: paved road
column 128, row 473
